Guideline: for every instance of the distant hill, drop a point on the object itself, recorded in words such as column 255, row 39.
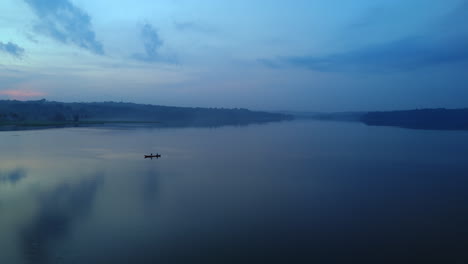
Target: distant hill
column 435, row 119
column 332, row 116
column 14, row 112
column 438, row 119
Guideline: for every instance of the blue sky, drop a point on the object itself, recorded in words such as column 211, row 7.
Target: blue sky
column 271, row 55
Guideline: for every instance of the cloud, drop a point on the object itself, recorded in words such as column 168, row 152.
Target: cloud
column 64, row 22
column 31, row 38
column 406, row 54
column 21, row 94
column 193, row 26
column 152, row 44
column 12, row 49
column 445, row 43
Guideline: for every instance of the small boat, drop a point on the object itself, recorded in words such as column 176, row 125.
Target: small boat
column 151, row 156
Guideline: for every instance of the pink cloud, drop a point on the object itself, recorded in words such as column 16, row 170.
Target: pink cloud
column 21, row 94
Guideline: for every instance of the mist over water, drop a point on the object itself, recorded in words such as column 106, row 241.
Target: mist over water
column 290, row 192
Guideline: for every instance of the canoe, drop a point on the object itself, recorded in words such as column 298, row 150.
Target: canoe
column 152, row 156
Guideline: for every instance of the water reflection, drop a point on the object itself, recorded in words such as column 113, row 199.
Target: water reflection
column 149, row 185
column 58, row 210
column 12, row 176
column 220, row 196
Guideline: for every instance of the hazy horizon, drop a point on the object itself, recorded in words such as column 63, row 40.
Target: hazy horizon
column 318, row 56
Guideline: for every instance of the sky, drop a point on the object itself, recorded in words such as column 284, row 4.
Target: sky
column 302, row 55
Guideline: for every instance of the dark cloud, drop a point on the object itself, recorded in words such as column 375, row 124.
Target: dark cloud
column 64, row 22
column 406, row 54
column 445, row 43
column 152, row 44
column 12, row 49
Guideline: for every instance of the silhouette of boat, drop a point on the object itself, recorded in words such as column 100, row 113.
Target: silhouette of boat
column 151, row 156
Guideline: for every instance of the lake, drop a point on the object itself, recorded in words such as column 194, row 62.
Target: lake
column 287, row 192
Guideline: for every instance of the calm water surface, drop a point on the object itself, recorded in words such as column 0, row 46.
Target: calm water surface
column 290, row 192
